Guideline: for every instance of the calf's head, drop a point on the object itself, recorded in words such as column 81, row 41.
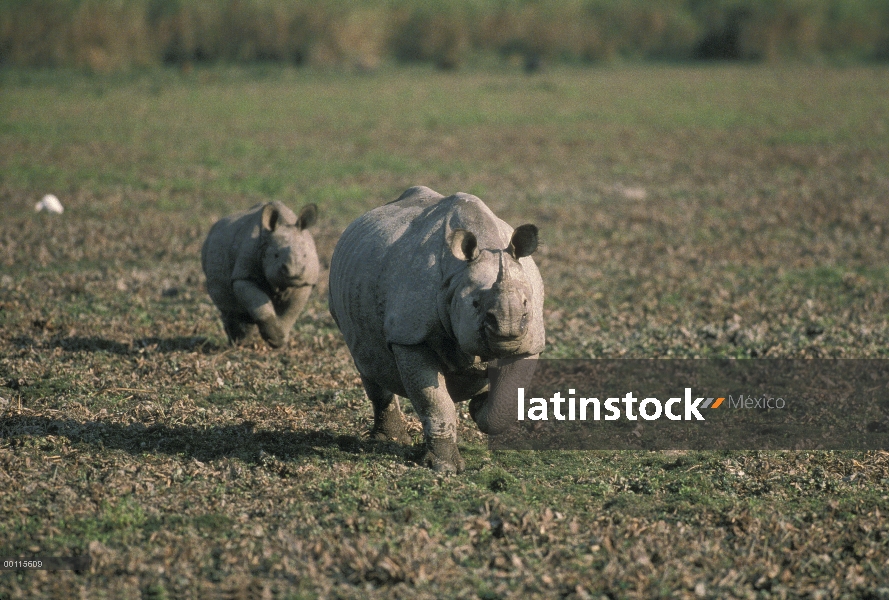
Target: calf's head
column 490, row 306
column 289, row 258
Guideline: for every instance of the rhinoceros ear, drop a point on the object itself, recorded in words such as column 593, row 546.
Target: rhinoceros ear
column 270, row 216
column 524, row 241
column 307, row 216
column 463, row 244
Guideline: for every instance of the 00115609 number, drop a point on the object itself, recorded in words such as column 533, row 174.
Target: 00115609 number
column 22, row 564
column 55, row 563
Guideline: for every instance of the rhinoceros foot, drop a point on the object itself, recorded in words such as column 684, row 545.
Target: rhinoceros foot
column 390, row 426
column 443, row 456
column 238, row 330
column 272, row 332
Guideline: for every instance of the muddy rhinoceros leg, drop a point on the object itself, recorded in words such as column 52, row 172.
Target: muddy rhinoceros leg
column 425, row 385
column 388, row 420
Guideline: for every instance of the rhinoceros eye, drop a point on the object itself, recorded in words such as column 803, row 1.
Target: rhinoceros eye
column 475, row 304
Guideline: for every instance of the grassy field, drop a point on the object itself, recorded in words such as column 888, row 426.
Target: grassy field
column 713, row 211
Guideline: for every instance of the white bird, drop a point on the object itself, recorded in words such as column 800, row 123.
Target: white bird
column 50, row 203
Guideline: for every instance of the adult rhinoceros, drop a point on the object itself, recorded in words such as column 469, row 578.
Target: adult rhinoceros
column 426, row 290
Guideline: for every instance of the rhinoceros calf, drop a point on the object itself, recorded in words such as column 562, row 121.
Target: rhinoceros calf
column 261, row 265
column 426, row 291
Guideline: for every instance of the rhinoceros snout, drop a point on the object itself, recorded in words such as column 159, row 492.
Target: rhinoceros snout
column 290, row 271
column 506, row 328
column 508, row 319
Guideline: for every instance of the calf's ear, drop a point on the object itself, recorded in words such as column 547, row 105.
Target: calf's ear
column 524, row 241
column 307, row 216
column 463, row 244
column 270, row 216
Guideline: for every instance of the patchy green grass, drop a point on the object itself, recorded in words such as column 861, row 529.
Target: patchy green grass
column 685, row 212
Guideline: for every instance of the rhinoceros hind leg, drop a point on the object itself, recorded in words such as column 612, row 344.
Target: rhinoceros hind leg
column 443, row 456
column 388, row 421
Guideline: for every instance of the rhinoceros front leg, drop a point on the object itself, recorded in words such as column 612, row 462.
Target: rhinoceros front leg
column 261, row 309
column 494, row 411
column 425, row 386
column 388, row 420
column 291, row 305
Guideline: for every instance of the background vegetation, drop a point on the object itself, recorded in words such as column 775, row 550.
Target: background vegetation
column 685, row 212
column 111, row 34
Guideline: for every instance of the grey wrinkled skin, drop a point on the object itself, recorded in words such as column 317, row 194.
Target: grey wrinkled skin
column 427, row 290
column 261, row 265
